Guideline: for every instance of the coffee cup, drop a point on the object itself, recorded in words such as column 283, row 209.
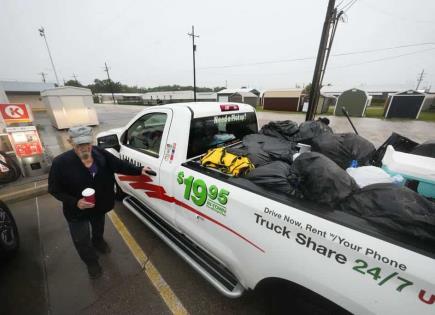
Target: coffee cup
column 89, row 195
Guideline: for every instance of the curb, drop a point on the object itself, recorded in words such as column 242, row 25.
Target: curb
column 26, row 193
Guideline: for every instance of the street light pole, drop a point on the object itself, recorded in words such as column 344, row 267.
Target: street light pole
column 194, row 70
column 42, row 34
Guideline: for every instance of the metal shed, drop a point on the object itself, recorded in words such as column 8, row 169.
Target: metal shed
column 354, row 100
column 285, row 100
column 166, row 97
column 26, row 92
column 70, row 106
column 428, row 103
column 407, row 104
column 244, row 97
column 224, row 95
column 325, row 101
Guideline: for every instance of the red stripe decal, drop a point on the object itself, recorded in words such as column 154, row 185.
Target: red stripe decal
column 158, row 192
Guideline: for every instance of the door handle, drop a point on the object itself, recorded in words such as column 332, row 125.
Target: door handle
column 150, row 172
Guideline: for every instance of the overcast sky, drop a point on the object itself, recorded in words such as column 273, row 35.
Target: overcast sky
column 244, row 43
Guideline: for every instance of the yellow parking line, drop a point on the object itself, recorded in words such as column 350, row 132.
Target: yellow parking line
column 150, row 270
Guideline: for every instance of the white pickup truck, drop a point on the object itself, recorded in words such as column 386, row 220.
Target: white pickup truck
column 237, row 236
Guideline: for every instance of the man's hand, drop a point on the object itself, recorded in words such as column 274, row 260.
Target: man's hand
column 83, row 204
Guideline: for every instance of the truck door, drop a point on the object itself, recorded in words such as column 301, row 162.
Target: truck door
column 143, row 144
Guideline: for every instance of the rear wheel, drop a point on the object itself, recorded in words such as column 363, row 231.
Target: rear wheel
column 9, row 239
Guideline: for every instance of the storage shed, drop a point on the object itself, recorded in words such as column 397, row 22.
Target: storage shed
column 283, row 100
column 354, row 100
column 325, row 101
column 70, row 106
column 244, row 97
column 407, row 104
column 428, row 103
column 26, row 92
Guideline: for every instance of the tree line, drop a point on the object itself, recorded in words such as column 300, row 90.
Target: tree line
column 109, row 86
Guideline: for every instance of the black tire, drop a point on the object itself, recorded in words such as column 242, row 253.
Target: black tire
column 119, row 193
column 9, row 238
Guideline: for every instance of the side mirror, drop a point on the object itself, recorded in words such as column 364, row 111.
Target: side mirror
column 110, row 141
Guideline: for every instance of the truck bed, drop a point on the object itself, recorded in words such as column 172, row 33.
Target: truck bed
column 334, row 215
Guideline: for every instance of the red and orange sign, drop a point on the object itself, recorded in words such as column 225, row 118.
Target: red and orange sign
column 15, row 113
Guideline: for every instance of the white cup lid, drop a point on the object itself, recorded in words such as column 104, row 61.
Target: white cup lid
column 88, row 192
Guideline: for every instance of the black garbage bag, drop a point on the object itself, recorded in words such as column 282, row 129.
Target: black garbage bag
column 393, row 208
column 255, row 154
column 425, row 149
column 277, row 149
column 309, row 130
column 399, row 143
column 344, row 147
column 289, row 130
column 280, row 129
column 272, row 176
column 321, row 180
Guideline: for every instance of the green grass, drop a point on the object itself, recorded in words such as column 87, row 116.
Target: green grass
column 378, row 112
column 427, row 116
column 371, row 112
column 375, row 112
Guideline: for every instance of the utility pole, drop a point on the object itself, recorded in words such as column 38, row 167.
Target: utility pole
column 75, row 77
column 194, row 70
column 110, row 82
column 324, row 49
column 420, row 79
column 42, row 34
column 43, row 76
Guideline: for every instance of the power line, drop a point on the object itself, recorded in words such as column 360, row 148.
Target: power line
column 338, row 5
column 350, row 6
column 386, row 58
column 401, row 17
column 383, row 49
column 312, row 57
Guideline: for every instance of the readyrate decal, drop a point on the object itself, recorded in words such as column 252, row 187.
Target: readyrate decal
column 370, row 271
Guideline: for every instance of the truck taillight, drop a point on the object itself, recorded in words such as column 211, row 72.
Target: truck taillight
column 227, row 108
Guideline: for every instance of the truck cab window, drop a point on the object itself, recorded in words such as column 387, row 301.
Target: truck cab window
column 210, row 132
column 145, row 134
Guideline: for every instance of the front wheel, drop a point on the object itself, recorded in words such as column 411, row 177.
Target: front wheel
column 9, row 239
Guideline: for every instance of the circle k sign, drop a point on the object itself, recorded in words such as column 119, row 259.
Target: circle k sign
column 15, row 113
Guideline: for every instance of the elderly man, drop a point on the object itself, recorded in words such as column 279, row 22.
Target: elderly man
column 71, row 173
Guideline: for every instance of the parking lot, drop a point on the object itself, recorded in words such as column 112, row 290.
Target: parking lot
column 141, row 274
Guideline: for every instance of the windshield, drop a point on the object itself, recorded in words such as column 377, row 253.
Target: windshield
column 214, row 131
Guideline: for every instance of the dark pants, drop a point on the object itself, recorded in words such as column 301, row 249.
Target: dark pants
column 81, row 235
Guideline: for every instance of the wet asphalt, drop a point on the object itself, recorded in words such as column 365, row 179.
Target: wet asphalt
column 47, row 276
